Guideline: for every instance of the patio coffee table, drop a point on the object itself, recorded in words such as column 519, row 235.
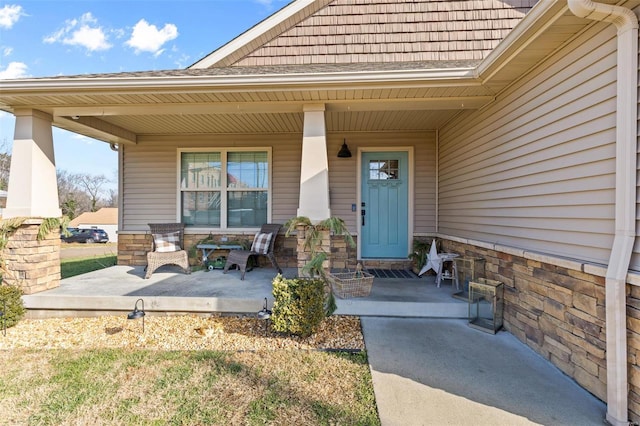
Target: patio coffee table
column 207, row 249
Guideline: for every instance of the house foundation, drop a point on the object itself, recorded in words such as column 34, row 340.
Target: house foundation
column 30, row 263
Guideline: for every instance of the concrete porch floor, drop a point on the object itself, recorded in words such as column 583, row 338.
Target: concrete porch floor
column 169, row 290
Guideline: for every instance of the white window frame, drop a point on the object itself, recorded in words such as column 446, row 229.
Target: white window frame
column 224, row 151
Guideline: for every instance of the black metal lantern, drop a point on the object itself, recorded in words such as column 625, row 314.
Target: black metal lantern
column 265, row 314
column 137, row 313
column 344, row 151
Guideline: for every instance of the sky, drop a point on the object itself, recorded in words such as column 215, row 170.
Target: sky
column 45, row 38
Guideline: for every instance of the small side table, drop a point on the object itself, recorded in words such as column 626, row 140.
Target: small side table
column 443, row 274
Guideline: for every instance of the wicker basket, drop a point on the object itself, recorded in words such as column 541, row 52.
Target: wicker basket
column 351, row 284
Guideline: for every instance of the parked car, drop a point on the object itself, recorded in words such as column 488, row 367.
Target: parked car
column 85, row 236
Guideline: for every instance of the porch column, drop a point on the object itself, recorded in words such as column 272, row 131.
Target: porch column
column 33, row 187
column 314, row 171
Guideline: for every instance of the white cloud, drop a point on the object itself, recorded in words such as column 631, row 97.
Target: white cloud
column 14, row 70
column 9, row 15
column 7, row 51
column 148, row 38
column 183, row 61
column 84, row 32
column 270, row 4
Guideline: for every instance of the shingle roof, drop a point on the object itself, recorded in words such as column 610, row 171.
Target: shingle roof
column 104, row 216
column 281, row 69
column 357, row 31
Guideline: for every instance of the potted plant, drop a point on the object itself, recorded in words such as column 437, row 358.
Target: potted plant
column 419, row 254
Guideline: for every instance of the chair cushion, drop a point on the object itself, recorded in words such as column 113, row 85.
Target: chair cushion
column 166, row 243
column 261, row 243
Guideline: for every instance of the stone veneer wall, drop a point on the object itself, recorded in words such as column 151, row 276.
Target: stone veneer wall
column 133, row 248
column 560, row 313
column 633, row 351
column 32, row 264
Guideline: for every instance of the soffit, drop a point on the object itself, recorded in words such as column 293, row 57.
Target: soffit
column 372, row 107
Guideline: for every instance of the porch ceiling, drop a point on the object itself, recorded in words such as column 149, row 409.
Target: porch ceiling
column 122, row 117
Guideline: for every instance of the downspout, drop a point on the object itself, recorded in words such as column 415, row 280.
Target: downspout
column 626, row 23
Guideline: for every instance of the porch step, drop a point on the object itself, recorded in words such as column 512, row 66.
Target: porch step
column 82, row 306
column 402, row 309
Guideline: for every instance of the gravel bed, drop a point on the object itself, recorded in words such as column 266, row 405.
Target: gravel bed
column 184, row 332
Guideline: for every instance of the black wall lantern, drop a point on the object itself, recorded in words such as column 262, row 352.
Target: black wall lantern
column 137, row 313
column 344, row 151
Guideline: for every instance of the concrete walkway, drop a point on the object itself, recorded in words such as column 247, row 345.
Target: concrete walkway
column 443, row 372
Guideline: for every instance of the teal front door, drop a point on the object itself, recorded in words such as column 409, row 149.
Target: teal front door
column 384, row 205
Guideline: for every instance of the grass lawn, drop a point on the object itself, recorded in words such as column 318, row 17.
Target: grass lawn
column 77, row 266
column 142, row 387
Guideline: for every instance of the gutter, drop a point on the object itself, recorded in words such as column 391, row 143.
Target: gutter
column 432, row 77
column 626, row 23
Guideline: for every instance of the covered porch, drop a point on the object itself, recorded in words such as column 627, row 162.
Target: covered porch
column 170, row 291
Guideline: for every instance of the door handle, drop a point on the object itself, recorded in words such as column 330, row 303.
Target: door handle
column 362, row 214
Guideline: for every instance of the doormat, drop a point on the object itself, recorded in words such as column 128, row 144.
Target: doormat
column 392, row 273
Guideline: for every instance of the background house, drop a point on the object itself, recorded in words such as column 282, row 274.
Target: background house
column 106, row 218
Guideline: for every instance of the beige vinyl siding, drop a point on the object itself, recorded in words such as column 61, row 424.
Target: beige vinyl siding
column 536, row 169
column 352, row 31
column 343, row 174
column 425, row 185
column 150, row 182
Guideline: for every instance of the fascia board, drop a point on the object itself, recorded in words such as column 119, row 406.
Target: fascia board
column 539, row 19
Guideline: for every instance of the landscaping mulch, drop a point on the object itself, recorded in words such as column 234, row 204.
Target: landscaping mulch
column 184, row 332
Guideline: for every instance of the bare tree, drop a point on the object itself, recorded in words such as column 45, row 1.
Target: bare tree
column 112, row 198
column 93, row 187
column 73, row 199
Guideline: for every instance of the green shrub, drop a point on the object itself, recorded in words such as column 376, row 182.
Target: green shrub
column 298, row 307
column 11, row 297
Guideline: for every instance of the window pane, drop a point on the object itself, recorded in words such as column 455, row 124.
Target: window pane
column 200, row 170
column 201, row 208
column 247, row 209
column 383, row 169
column 247, row 170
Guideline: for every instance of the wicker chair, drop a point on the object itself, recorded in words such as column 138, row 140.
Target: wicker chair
column 241, row 257
column 167, row 247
